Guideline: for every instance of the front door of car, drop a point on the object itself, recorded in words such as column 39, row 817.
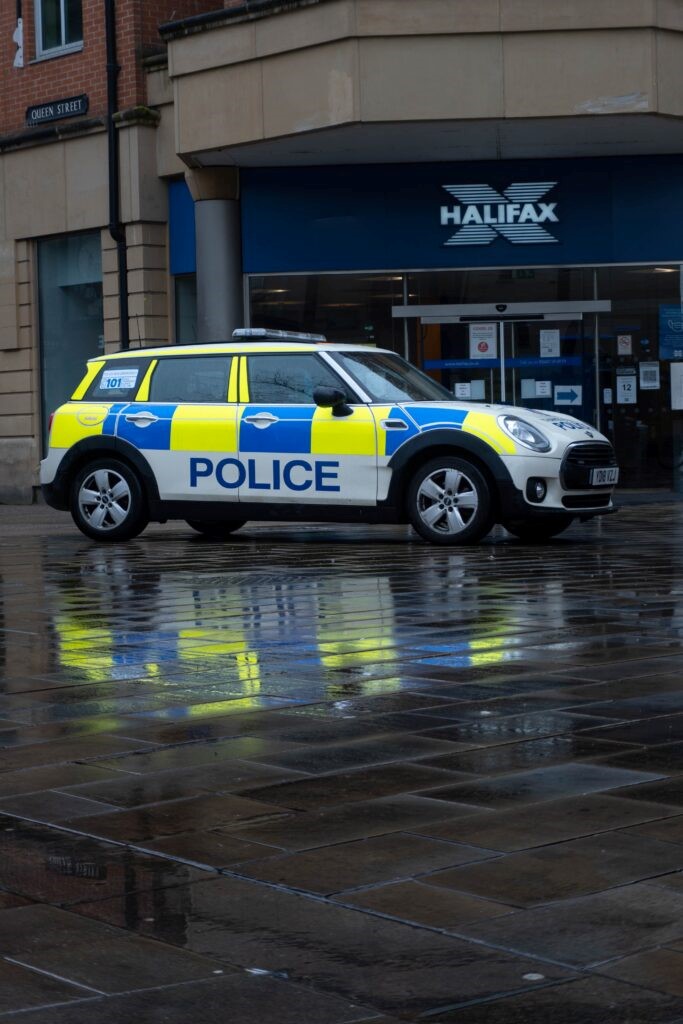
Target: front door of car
column 290, row 449
column 185, row 425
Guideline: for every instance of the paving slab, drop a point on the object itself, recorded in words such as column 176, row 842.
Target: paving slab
column 363, row 778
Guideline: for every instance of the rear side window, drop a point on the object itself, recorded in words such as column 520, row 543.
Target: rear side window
column 191, row 379
column 118, row 379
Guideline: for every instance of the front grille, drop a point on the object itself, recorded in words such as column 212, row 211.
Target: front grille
column 587, row 501
column 590, row 455
column 581, row 458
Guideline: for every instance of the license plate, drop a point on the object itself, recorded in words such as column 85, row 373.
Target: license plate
column 604, row 477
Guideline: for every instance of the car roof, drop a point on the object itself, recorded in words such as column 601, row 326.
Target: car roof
column 235, row 348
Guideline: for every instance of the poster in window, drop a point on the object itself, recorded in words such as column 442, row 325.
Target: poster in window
column 483, row 341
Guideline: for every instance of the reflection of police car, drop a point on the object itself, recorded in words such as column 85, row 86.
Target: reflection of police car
column 286, row 427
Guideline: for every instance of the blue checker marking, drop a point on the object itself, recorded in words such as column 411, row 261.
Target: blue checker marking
column 157, row 436
column 395, row 438
column 291, row 435
column 438, row 417
column 109, row 425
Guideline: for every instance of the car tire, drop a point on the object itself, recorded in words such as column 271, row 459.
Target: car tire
column 538, row 530
column 107, row 501
column 215, row 529
column 449, row 502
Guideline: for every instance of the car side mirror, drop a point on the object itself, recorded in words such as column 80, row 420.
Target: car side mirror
column 332, row 398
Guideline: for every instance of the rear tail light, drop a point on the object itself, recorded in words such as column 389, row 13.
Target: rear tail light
column 49, row 425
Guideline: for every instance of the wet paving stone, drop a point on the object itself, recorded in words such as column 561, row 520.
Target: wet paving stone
column 197, row 754
column 659, row 969
column 336, row 757
column 173, row 816
column 543, row 784
column 391, row 966
column 56, row 867
column 348, row 865
column 22, row 988
column 251, row 1000
column 404, row 782
column 652, row 731
column 591, row 1001
column 590, row 929
column 419, row 902
column 350, row 787
column 520, row 828
column 215, row 848
column 499, row 760
column 496, row 730
column 90, row 953
column 52, row 806
column 361, row 820
column 597, row 863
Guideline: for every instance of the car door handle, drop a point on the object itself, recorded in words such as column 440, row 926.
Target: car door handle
column 394, row 425
column 262, row 419
column 142, row 419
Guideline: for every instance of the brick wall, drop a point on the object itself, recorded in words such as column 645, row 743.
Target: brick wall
column 85, row 70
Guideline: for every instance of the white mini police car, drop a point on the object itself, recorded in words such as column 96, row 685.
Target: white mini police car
column 281, row 426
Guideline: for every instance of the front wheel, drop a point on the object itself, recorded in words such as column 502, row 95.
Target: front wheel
column 449, row 502
column 538, row 530
column 107, row 501
column 215, row 529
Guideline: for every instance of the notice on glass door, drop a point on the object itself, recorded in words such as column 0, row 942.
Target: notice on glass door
column 483, row 341
column 550, row 344
column 627, row 388
column 544, row 389
column 649, row 376
column 677, row 385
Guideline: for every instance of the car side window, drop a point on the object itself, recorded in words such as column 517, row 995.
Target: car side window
column 119, row 379
column 290, row 378
column 190, row 379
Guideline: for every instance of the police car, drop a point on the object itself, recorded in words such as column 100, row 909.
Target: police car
column 281, row 426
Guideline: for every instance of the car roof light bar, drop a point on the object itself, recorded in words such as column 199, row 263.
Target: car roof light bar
column 265, row 334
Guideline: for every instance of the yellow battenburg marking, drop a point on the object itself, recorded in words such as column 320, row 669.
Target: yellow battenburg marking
column 244, row 381
column 343, row 435
column 233, row 382
column 204, row 428
column 381, row 412
column 72, row 422
column 91, row 372
column 143, row 390
column 484, row 426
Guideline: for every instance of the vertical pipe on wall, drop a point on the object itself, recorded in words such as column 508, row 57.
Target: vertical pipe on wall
column 117, row 230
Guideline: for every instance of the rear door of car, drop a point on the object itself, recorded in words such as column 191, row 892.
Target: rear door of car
column 185, row 424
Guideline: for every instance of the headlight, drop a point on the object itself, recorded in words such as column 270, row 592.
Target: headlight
column 524, row 433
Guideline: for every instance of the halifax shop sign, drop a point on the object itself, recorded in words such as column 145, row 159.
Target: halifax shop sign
column 422, row 216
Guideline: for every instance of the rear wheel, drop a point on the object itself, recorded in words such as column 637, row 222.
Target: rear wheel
column 538, row 530
column 215, row 529
column 107, row 501
column 449, row 502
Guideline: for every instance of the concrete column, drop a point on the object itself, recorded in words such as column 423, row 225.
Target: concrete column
column 220, row 308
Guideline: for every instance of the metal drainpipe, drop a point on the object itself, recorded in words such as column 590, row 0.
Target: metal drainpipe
column 116, row 228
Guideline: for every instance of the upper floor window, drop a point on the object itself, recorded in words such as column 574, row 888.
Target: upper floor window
column 59, row 26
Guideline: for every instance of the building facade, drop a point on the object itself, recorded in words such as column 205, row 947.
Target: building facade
column 493, row 188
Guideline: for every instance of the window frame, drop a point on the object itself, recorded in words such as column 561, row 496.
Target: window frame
column 42, row 52
column 232, row 356
column 351, row 393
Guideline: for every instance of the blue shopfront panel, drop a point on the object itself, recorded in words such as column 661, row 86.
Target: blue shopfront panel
column 390, row 216
column 181, row 228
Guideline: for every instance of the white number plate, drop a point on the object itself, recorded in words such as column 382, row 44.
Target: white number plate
column 604, row 477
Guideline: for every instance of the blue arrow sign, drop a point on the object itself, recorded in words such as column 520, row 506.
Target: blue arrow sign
column 567, row 396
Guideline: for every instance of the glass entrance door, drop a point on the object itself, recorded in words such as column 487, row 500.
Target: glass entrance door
column 536, row 363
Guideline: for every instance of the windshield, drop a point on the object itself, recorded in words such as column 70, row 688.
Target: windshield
column 388, row 378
